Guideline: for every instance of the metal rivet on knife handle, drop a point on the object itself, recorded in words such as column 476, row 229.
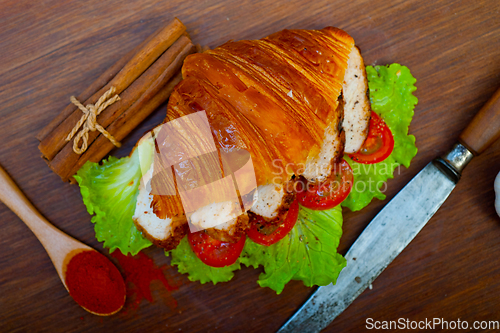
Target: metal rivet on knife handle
column 453, row 162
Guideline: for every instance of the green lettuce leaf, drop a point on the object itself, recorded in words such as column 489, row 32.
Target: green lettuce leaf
column 391, row 95
column 110, row 191
column 308, row 253
column 187, row 262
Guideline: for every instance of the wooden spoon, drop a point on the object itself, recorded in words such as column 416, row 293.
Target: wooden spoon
column 60, row 247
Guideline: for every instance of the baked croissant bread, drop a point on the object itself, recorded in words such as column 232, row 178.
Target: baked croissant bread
column 298, row 97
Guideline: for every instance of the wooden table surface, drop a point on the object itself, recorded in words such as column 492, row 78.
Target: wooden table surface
column 52, row 49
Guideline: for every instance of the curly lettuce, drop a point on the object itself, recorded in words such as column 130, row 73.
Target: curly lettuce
column 109, row 190
column 308, row 253
column 188, row 263
column 391, row 95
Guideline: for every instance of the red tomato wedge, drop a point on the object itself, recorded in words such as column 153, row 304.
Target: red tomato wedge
column 378, row 144
column 330, row 193
column 214, row 252
column 267, row 236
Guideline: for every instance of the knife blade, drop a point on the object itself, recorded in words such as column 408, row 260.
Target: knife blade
column 392, row 230
column 397, row 224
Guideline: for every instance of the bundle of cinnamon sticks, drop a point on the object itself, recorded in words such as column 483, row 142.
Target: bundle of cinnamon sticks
column 143, row 79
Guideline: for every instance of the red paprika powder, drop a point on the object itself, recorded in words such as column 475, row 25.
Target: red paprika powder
column 95, row 283
column 140, row 271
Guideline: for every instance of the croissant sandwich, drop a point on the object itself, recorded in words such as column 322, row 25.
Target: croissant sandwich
column 293, row 103
column 264, row 143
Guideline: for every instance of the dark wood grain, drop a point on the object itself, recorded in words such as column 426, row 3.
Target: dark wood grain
column 55, row 49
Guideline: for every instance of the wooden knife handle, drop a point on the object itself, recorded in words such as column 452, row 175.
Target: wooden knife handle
column 484, row 128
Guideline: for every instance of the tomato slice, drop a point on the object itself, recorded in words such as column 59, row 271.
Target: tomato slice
column 378, row 144
column 331, row 192
column 265, row 235
column 214, row 252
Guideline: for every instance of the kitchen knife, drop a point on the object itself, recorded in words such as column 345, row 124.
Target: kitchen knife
column 397, row 224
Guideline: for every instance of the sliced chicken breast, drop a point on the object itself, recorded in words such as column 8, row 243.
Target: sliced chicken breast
column 230, row 231
column 319, row 168
column 357, row 104
column 221, row 220
column 164, row 231
column 162, row 220
column 273, row 202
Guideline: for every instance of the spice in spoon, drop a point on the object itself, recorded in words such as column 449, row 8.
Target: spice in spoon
column 95, row 283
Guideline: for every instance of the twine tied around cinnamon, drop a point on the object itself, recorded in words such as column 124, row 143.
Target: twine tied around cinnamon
column 89, row 121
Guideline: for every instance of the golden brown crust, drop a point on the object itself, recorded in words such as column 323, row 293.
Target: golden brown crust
column 250, row 89
column 273, row 97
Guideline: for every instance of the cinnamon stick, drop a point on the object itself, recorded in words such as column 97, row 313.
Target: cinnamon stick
column 123, row 126
column 55, row 140
column 97, row 85
column 144, row 86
